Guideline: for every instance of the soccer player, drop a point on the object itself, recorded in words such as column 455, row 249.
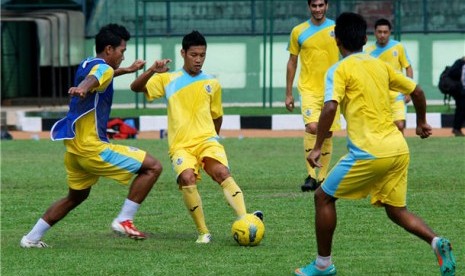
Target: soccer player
column 195, row 115
column 312, row 41
column 89, row 154
column 378, row 158
column 394, row 53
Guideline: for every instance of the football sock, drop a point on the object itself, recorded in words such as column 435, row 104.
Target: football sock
column 38, row 231
column 234, row 196
column 323, row 262
column 325, row 158
column 193, row 203
column 433, row 243
column 128, row 211
column 309, row 143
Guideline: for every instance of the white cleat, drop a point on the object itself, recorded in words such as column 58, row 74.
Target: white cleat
column 204, row 238
column 25, row 243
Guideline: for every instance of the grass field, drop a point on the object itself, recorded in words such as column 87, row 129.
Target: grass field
column 269, row 171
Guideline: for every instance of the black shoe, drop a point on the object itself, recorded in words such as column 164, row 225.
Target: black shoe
column 457, row 132
column 258, row 214
column 310, row 184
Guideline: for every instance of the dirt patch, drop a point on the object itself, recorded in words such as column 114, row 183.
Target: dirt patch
column 262, row 133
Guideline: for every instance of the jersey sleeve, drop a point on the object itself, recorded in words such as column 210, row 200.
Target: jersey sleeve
column 334, row 84
column 156, row 86
column 216, row 103
column 399, row 82
column 104, row 75
column 404, row 58
column 293, row 47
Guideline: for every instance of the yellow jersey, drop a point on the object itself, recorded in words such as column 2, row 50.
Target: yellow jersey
column 317, row 51
column 192, row 102
column 360, row 84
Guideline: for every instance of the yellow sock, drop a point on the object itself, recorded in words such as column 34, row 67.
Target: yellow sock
column 325, row 159
column 193, row 203
column 234, row 196
column 309, row 143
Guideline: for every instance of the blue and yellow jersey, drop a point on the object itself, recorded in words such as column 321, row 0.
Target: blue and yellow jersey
column 393, row 53
column 360, row 84
column 317, row 51
column 84, row 128
column 192, row 103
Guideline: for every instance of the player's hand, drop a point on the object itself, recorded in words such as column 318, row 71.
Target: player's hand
column 313, row 158
column 77, row 91
column 136, row 65
column 290, row 103
column 424, row 131
column 161, row 66
column 407, row 99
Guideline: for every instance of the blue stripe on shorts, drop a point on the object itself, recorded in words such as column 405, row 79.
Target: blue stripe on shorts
column 120, row 160
column 336, row 175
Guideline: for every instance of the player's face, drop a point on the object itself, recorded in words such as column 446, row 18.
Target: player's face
column 116, row 54
column 318, row 10
column 382, row 34
column 194, row 58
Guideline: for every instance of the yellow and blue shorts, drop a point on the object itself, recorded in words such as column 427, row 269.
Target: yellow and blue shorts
column 311, row 106
column 117, row 162
column 192, row 157
column 398, row 106
column 383, row 179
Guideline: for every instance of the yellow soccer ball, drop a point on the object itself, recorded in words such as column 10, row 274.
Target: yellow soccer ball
column 248, row 230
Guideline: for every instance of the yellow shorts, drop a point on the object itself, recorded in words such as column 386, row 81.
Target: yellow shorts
column 398, row 106
column 384, row 179
column 311, row 106
column 192, row 158
column 117, row 162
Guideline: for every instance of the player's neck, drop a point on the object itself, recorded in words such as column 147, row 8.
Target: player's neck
column 318, row 22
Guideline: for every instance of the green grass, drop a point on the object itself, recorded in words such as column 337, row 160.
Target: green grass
column 269, row 172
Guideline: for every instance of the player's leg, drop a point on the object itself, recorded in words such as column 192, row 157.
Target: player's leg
column 395, row 206
column 121, row 163
column 79, row 182
column 186, row 167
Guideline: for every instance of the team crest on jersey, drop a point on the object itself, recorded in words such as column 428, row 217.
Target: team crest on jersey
column 331, row 34
column 308, row 112
column 395, row 53
column 208, row 88
column 179, row 161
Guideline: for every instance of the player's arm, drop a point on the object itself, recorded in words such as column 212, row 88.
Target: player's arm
column 135, row 66
column 86, row 85
column 159, row 66
column 290, row 75
column 218, row 122
column 419, row 101
column 324, row 124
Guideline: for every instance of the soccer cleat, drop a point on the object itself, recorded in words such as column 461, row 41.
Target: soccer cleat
column 445, row 257
column 311, row 269
column 310, row 184
column 204, row 238
column 25, row 243
column 258, row 214
column 128, row 229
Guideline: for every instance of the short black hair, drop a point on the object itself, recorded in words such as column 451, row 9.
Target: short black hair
column 110, row 34
column 310, row 1
column 351, row 30
column 194, row 38
column 383, row 22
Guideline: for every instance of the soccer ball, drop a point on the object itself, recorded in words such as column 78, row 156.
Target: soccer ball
column 248, row 230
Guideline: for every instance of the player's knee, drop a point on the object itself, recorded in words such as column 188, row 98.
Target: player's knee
column 186, row 179
column 152, row 166
column 220, row 175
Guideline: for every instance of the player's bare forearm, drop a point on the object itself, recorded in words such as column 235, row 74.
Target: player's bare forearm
column 290, row 75
column 325, row 121
column 86, row 85
column 159, row 66
column 218, row 122
column 135, row 66
column 423, row 129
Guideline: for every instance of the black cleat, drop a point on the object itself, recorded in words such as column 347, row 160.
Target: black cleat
column 258, row 214
column 310, row 184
